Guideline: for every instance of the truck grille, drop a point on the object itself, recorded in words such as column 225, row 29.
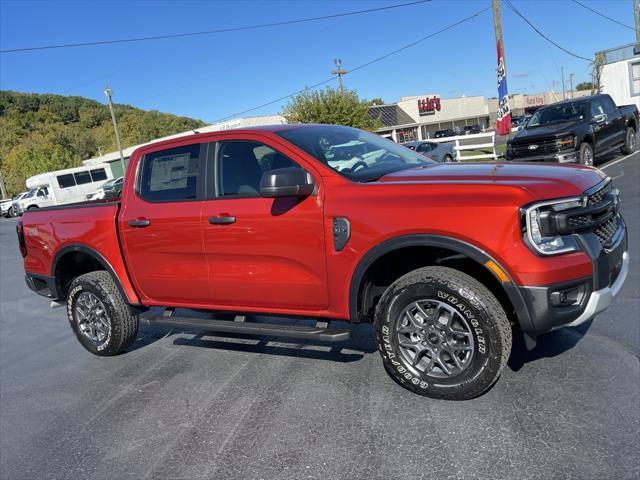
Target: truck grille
column 597, row 196
column 541, row 148
column 606, row 231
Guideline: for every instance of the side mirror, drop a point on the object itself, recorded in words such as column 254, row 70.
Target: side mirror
column 601, row 118
column 286, row 182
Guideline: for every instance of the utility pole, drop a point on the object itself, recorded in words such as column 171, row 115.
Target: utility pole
column 108, row 93
column 636, row 14
column 339, row 71
column 571, row 84
column 3, row 190
column 503, row 117
column 564, row 96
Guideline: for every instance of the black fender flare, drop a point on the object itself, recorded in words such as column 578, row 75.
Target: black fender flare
column 95, row 255
column 429, row 240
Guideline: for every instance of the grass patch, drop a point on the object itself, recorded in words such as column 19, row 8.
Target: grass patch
column 500, row 149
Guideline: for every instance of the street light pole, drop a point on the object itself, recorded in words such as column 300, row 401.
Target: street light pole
column 108, row 92
column 571, row 84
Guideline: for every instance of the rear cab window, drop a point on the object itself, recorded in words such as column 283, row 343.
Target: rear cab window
column 171, row 175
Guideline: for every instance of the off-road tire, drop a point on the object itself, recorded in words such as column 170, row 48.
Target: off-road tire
column 630, row 142
column 586, row 155
column 123, row 322
column 458, row 291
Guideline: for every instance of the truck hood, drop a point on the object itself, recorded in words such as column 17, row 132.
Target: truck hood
column 542, row 181
column 548, row 132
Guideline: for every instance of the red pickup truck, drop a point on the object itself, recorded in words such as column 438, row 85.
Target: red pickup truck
column 327, row 222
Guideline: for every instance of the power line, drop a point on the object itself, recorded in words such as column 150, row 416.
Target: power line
column 210, row 32
column 603, row 15
column 515, row 10
column 359, row 67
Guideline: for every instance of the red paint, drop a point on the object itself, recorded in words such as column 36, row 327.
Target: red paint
column 279, row 258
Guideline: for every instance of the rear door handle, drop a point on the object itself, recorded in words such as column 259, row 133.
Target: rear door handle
column 139, row 223
column 222, row 220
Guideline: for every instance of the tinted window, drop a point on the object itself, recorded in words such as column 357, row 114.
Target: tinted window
column 82, row 178
column 597, row 108
column 242, row 163
column 170, row 175
column 66, row 181
column 425, row 147
column 609, row 106
column 98, row 174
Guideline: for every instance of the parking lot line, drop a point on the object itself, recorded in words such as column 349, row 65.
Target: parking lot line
column 607, row 165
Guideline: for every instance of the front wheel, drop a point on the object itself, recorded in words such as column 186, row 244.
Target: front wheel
column 586, row 154
column 630, row 142
column 99, row 316
column 442, row 334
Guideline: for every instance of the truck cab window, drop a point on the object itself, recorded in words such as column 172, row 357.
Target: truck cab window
column 242, row 163
column 170, row 175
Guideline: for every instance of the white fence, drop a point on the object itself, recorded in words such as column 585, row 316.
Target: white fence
column 472, row 142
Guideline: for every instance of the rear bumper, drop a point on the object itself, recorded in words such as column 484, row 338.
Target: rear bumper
column 569, row 304
column 42, row 285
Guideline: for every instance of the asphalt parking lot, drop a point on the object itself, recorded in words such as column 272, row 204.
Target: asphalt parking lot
column 182, row 405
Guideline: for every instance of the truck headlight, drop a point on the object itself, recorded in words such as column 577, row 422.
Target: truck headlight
column 539, row 229
column 568, row 141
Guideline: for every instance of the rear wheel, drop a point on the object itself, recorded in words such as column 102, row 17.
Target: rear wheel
column 586, row 154
column 102, row 321
column 630, row 142
column 32, row 207
column 447, row 159
column 442, row 334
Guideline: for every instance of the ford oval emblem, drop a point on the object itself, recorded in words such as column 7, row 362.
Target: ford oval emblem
column 533, row 147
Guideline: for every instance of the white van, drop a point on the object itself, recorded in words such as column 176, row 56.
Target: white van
column 63, row 186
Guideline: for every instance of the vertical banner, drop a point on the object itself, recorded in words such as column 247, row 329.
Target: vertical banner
column 503, row 124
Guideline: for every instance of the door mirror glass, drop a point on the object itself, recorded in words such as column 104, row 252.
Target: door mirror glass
column 286, row 182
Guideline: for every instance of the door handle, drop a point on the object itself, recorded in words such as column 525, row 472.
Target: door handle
column 222, row 220
column 139, row 223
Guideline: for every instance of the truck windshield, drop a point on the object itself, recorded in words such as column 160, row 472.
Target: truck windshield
column 557, row 114
column 354, row 154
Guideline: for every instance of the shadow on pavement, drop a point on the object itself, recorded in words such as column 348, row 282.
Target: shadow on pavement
column 549, row 345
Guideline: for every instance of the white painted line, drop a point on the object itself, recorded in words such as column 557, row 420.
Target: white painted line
column 607, row 165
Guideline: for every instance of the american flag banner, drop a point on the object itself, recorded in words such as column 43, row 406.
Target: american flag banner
column 503, row 124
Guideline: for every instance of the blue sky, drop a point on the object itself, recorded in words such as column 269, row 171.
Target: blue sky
column 214, row 76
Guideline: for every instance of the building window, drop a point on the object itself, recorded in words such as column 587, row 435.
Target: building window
column 634, row 71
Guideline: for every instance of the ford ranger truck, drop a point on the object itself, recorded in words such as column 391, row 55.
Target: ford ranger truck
column 324, row 222
column 577, row 131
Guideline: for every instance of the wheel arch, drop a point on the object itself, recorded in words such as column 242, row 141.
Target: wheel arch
column 74, row 260
column 508, row 290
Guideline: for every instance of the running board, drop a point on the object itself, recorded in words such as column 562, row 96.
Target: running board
column 320, row 332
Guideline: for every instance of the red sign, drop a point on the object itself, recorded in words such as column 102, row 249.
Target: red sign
column 428, row 106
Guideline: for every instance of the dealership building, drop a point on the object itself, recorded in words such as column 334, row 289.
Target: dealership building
column 418, row 117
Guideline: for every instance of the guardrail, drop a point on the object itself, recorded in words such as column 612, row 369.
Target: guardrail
column 468, row 142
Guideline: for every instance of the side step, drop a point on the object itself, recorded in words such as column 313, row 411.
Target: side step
column 320, row 332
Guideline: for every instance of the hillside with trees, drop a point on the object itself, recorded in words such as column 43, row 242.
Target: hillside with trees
column 44, row 132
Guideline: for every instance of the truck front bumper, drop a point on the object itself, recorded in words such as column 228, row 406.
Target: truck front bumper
column 569, row 304
column 560, row 157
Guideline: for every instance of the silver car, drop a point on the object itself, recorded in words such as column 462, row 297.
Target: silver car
column 440, row 152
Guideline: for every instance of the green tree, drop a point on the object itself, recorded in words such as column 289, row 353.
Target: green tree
column 36, row 154
column 334, row 106
column 584, row 86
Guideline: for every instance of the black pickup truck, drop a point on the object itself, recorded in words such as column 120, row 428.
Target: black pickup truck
column 577, row 130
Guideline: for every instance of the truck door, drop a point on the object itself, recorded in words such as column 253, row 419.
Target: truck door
column 262, row 252
column 603, row 126
column 160, row 224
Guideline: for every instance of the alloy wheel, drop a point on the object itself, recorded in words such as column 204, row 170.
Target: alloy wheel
column 435, row 339
column 92, row 318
